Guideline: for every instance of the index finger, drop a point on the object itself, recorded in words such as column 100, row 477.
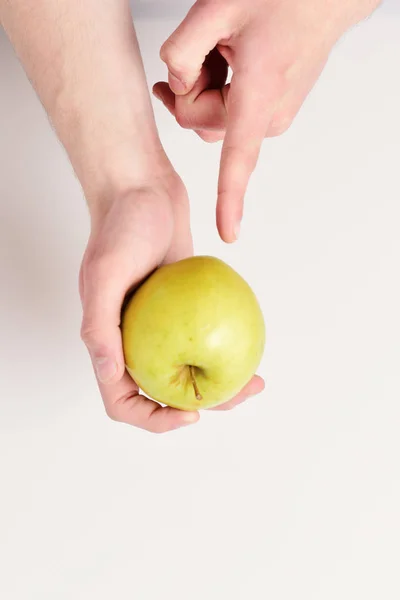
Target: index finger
column 251, row 104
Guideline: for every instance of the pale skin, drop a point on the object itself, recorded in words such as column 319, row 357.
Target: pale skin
column 85, row 65
column 276, row 50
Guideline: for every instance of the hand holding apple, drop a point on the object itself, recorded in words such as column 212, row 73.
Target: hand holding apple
column 84, row 61
column 132, row 234
column 193, row 334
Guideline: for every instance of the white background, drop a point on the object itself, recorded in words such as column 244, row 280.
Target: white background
column 295, row 494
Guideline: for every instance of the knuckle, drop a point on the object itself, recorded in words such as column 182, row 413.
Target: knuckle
column 157, row 427
column 182, row 118
column 111, row 412
column 171, row 55
column 89, row 335
column 279, row 125
column 244, row 156
column 286, row 65
column 167, row 51
column 157, row 430
column 97, row 265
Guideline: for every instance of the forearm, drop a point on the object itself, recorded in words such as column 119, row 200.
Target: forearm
column 84, row 62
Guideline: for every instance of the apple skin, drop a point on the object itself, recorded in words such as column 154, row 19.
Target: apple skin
column 197, row 313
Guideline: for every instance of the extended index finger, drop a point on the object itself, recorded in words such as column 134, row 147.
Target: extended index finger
column 251, row 104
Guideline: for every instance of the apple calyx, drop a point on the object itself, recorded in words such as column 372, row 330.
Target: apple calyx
column 194, row 383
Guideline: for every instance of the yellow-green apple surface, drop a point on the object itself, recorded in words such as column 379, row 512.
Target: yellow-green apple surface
column 193, row 334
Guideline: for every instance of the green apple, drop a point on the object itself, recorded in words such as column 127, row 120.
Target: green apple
column 193, row 334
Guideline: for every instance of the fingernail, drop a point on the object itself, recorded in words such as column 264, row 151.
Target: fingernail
column 236, row 230
column 176, row 84
column 157, row 95
column 105, row 367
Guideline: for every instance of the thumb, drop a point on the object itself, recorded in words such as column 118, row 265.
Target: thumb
column 186, row 49
column 124, row 248
column 100, row 330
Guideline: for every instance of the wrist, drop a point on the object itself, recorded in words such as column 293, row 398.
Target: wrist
column 131, row 171
column 109, row 152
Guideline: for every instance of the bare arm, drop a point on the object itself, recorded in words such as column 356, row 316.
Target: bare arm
column 84, row 62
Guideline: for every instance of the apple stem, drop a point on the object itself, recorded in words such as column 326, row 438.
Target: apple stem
column 194, row 383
